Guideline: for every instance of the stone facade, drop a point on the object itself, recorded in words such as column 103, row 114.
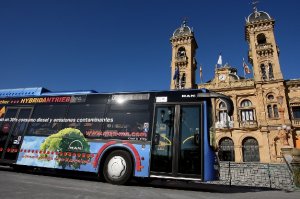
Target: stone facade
column 266, row 107
column 274, row 175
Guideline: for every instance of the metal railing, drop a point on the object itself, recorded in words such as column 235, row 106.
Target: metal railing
column 296, row 122
column 248, row 124
column 224, row 124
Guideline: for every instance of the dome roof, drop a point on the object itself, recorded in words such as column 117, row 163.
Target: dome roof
column 258, row 16
column 183, row 30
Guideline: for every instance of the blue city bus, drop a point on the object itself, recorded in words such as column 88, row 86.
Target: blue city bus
column 165, row 134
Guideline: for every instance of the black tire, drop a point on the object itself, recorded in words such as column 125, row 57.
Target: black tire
column 118, row 167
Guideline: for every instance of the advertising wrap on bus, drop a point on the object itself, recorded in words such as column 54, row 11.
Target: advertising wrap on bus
column 76, row 153
column 77, row 143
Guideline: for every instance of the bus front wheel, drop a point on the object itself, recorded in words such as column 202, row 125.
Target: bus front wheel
column 118, row 167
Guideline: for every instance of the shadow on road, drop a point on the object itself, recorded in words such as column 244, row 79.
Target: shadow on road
column 198, row 186
column 155, row 183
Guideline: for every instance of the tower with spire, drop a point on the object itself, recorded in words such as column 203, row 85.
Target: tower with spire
column 183, row 63
column 263, row 54
column 263, row 50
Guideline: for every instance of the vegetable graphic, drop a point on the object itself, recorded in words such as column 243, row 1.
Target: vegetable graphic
column 71, row 147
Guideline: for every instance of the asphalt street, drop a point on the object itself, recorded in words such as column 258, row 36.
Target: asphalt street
column 45, row 185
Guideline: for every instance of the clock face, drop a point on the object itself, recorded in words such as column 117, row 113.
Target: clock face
column 222, row 77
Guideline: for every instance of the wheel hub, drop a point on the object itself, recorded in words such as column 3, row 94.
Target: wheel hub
column 116, row 167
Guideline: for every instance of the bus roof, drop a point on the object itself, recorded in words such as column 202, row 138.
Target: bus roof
column 37, row 91
column 21, row 92
column 41, row 91
column 187, row 95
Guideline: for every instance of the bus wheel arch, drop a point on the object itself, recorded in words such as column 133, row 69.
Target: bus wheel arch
column 117, row 165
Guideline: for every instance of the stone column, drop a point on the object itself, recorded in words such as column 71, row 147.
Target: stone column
column 238, row 151
column 235, row 113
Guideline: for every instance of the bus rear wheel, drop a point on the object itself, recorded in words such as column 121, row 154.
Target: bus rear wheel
column 118, row 167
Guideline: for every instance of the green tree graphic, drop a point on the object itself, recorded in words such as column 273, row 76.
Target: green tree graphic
column 71, row 146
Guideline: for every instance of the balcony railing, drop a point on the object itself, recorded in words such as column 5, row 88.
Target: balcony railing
column 248, row 124
column 224, row 124
column 180, row 84
column 238, row 84
column 181, row 59
column 296, row 122
column 264, row 46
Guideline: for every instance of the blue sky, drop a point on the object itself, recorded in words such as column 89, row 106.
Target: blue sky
column 123, row 45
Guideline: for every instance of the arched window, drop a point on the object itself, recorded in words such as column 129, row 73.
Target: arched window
column 270, row 111
column 181, row 52
column 296, row 112
column 275, row 109
column 270, row 97
column 247, row 112
column 226, row 149
column 250, row 150
column 222, row 105
column 272, row 107
column 261, row 39
column 246, row 103
column 263, row 72
column 182, row 80
column 271, row 75
column 224, row 118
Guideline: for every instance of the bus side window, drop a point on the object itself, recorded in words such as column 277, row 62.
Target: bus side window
column 130, row 121
column 44, row 116
column 88, row 118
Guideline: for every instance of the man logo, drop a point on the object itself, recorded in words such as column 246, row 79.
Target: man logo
column 188, row 96
column 76, row 145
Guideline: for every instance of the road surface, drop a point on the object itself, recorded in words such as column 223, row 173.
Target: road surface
column 33, row 185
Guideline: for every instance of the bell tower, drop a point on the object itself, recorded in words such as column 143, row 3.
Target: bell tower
column 183, row 64
column 263, row 51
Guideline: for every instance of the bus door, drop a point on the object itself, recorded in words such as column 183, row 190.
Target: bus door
column 176, row 150
column 12, row 130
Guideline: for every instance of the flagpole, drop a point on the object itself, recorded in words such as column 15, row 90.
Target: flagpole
column 201, row 80
column 244, row 68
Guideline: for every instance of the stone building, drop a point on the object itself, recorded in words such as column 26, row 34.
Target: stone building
column 266, row 108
